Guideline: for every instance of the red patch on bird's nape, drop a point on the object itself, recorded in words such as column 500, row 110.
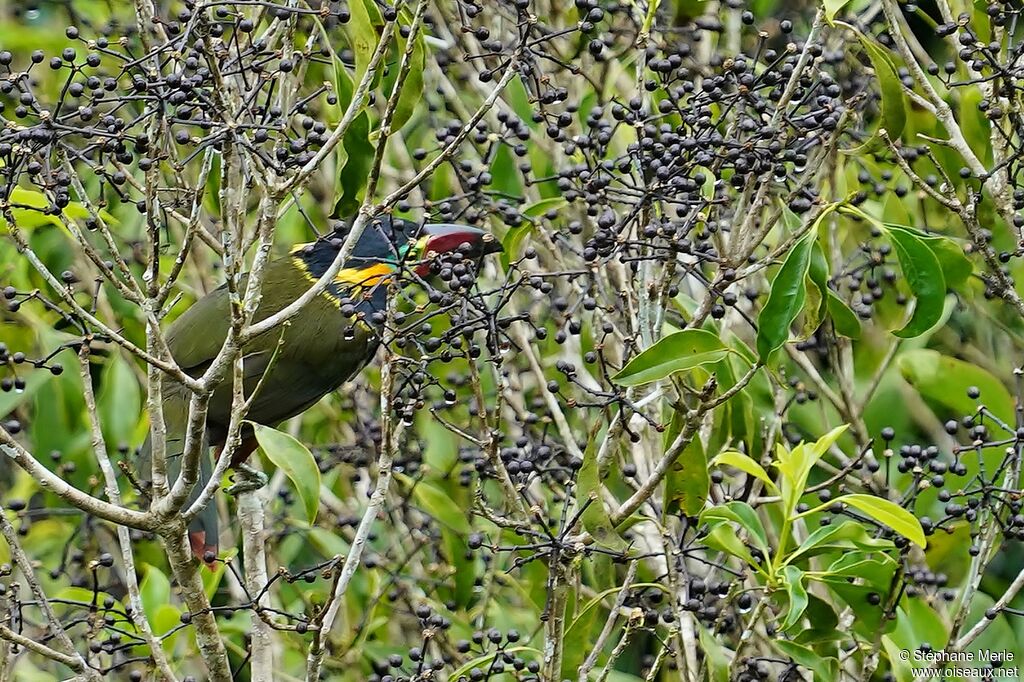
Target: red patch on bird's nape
column 445, row 243
column 197, row 540
column 441, row 244
column 202, row 550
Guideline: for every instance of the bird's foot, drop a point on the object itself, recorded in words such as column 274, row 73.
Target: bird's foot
column 246, row 480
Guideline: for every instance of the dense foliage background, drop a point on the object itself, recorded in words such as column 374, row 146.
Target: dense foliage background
column 741, row 399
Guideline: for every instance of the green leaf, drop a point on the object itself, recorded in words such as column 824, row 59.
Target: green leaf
column 817, row 292
column 888, row 513
column 945, row 380
column 515, row 236
column 823, row 621
column 894, row 113
column 412, row 89
column 916, row 622
column 956, row 266
column 742, row 514
column 924, row 276
column 438, row 504
column 825, row 669
column 363, row 36
column 785, row 300
column 832, row 8
column 723, row 538
column 484, row 661
column 354, row 155
column 358, row 158
column 119, row 401
column 859, row 582
column 538, row 208
column 738, row 460
column 847, row 535
column 155, row 591
column 327, row 542
column 595, row 517
column 505, row 176
column 687, row 481
column 844, row 320
column 714, row 655
column 296, row 461
column 793, row 581
column 676, row 352
column 795, row 465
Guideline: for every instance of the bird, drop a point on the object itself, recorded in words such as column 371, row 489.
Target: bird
column 290, row 368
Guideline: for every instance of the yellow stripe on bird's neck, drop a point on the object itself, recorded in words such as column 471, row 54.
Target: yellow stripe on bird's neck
column 369, row 276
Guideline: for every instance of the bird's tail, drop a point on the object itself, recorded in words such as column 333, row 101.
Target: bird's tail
column 204, row 529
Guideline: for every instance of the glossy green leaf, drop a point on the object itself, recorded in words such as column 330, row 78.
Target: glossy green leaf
column 785, row 300
column 744, row 463
column 539, row 208
column 505, row 175
column 924, row 277
column 296, row 461
column 887, row 513
column 824, row 668
column 358, row 158
column 956, row 266
column 793, row 581
column 514, row 237
column 946, row 380
column 822, row 619
column 742, row 514
column 482, row 662
column 817, row 292
column 844, row 320
column 864, row 584
column 894, row 108
column 595, row 517
column 363, row 36
column 846, row 535
column 354, row 156
column 723, row 537
column 832, row 8
column 796, row 464
column 412, row 89
column 687, row 481
column 676, row 352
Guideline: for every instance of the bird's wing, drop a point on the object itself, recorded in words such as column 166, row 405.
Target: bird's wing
column 196, row 337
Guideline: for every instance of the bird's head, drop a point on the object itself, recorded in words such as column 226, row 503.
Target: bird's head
column 388, row 246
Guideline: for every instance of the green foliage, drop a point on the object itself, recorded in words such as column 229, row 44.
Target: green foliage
column 673, row 211
column 676, row 352
column 787, row 299
column 296, row 461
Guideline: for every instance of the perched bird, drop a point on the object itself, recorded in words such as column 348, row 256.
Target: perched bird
column 290, row 368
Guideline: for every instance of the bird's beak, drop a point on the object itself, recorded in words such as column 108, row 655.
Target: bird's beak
column 446, row 237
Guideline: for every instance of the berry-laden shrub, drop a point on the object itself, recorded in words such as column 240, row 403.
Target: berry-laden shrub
column 738, row 399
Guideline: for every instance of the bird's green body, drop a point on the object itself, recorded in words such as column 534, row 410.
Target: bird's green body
column 286, row 370
column 290, row 368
